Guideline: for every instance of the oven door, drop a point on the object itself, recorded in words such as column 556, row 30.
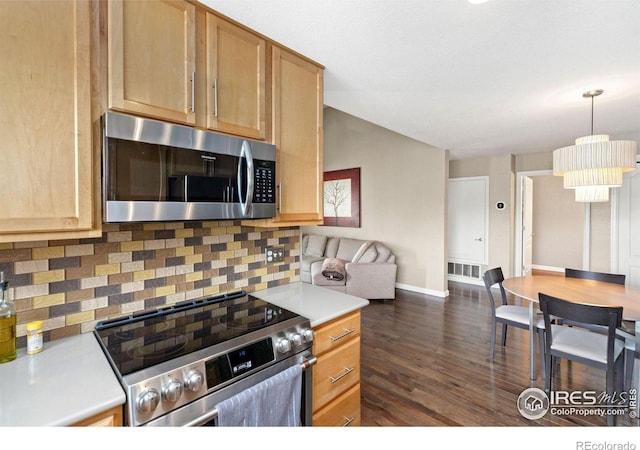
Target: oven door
column 202, row 412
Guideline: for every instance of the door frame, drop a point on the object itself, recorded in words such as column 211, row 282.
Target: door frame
column 618, row 236
column 517, row 259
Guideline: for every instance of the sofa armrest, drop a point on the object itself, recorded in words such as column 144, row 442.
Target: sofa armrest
column 373, row 280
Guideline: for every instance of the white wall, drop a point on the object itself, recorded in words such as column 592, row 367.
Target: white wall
column 402, row 196
column 558, row 224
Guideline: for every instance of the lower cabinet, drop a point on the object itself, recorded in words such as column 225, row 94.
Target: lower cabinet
column 336, row 376
column 109, row 418
column 344, row 411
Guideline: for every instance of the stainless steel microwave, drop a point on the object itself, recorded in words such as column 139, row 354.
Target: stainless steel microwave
column 158, row 171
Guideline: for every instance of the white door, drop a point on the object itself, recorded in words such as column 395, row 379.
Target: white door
column 468, row 207
column 527, row 225
column 629, row 224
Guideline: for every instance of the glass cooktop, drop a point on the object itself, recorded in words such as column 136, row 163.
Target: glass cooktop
column 142, row 340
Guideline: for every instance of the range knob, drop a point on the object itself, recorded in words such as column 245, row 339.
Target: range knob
column 147, row 400
column 193, row 382
column 283, row 345
column 307, row 335
column 296, row 339
column 172, row 391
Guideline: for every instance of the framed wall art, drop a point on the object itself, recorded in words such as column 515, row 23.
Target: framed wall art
column 342, row 198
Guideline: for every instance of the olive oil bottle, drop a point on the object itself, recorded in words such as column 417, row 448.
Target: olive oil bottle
column 7, row 323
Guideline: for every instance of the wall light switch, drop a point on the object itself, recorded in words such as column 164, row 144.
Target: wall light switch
column 274, row 254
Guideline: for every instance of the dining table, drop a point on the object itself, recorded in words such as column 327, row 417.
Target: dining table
column 578, row 290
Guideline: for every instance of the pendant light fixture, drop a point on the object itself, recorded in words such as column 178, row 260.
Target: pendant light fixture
column 594, row 164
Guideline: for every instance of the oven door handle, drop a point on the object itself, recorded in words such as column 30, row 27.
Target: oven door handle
column 208, row 416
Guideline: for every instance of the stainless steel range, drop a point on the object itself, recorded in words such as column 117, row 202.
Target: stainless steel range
column 177, row 363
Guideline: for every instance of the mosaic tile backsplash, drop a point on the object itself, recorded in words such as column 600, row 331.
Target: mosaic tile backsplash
column 72, row 284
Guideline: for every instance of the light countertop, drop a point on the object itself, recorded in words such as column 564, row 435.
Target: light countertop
column 317, row 304
column 69, row 381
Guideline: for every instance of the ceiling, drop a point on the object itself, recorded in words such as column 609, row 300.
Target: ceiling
column 506, row 76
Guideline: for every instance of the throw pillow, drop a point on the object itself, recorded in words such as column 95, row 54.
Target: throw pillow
column 365, row 249
column 315, row 246
column 383, row 253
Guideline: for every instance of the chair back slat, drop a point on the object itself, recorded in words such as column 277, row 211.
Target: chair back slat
column 492, row 277
column 616, row 278
column 579, row 312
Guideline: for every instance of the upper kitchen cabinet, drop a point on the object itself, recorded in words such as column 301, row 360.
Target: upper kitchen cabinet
column 297, row 124
column 152, row 58
column 235, row 62
column 297, row 90
column 48, row 168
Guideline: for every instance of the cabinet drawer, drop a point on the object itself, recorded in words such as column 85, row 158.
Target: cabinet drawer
column 335, row 333
column 342, row 412
column 336, row 372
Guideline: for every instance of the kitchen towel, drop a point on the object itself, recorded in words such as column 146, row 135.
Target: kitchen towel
column 275, row 402
column 333, row 269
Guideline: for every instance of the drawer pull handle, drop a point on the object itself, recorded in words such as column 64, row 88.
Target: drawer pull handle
column 348, row 421
column 347, row 332
column 347, row 371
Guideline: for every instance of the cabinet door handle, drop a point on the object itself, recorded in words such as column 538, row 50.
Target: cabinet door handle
column 348, row 421
column 346, row 333
column 215, row 97
column 193, row 92
column 347, row 371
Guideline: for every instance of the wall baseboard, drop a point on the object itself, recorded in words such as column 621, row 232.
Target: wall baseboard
column 547, row 268
column 466, row 280
column 420, row 290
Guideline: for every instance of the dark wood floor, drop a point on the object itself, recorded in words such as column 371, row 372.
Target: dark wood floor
column 425, row 363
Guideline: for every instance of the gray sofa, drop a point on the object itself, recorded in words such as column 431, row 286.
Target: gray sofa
column 370, row 268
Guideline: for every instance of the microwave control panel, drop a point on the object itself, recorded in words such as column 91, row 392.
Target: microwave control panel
column 264, row 182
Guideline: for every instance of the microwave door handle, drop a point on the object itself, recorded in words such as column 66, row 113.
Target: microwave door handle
column 245, row 152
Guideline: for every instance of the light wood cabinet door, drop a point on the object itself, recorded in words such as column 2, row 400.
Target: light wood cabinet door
column 297, row 119
column 152, row 58
column 109, row 418
column 236, row 79
column 47, row 162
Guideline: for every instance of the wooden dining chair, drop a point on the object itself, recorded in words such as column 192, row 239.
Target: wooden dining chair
column 509, row 315
column 583, row 346
column 616, row 278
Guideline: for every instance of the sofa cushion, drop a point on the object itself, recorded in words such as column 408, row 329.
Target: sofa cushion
column 332, row 247
column 306, row 261
column 348, row 248
column 315, row 245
